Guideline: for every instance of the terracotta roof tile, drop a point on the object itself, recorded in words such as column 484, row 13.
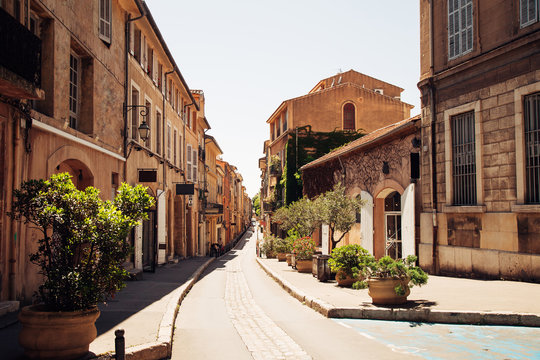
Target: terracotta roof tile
column 363, row 141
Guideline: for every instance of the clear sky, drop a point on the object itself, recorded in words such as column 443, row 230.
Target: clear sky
column 250, row 55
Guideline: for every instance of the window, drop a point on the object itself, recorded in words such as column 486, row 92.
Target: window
column 528, row 12
column 349, row 117
column 278, row 127
column 169, row 140
column 460, row 27
column 188, row 170
column 273, row 130
column 74, row 89
column 531, row 112
column 158, row 132
column 134, row 114
column 160, row 76
column 195, row 161
column 285, row 118
column 175, row 151
column 181, row 164
column 105, row 20
column 137, row 45
column 150, row 66
column 464, row 158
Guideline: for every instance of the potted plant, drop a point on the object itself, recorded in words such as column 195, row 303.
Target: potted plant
column 390, row 280
column 303, row 250
column 349, row 262
column 267, row 247
column 80, row 251
column 282, row 247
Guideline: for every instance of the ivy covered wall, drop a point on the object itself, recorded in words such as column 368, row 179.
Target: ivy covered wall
column 302, row 149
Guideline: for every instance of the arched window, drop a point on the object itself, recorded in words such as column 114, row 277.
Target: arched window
column 348, row 117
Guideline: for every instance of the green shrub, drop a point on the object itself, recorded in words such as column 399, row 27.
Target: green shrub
column 386, row 267
column 304, row 248
column 350, row 259
column 83, row 239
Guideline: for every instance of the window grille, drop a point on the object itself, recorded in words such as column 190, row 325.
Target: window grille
column 528, row 12
column 532, row 148
column 460, row 27
column 464, row 159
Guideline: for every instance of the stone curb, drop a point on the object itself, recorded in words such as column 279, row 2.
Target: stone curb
column 399, row 314
column 162, row 348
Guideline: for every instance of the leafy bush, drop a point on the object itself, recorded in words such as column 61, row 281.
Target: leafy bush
column 83, row 238
column 304, row 248
column 350, row 259
column 267, row 246
column 283, row 245
column 388, row 268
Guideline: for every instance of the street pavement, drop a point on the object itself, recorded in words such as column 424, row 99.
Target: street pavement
column 146, row 309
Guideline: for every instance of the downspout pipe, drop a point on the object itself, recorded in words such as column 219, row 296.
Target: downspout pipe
column 433, row 109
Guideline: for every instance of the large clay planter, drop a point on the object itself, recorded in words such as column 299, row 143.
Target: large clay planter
column 289, row 259
column 345, row 280
column 282, row 256
column 58, row 335
column 382, row 291
column 304, row 266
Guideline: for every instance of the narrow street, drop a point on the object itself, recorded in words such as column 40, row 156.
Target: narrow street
column 236, row 311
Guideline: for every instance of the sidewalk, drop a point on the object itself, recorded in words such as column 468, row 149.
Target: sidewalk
column 442, row 300
column 145, row 309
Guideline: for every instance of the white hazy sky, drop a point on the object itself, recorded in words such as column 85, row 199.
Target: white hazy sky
column 250, row 55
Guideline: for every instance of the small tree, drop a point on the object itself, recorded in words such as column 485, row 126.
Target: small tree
column 338, row 211
column 257, row 204
column 301, row 216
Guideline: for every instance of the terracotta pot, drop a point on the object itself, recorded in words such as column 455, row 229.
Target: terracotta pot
column 289, row 259
column 304, row 266
column 271, row 255
column 382, row 291
column 282, row 256
column 58, row 335
column 345, row 280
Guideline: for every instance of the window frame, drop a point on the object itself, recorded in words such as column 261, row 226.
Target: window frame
column 519, row 97
column 463, row 148
column 188, row 162
column 353, row 116
column 475, row 106
column 529, row 21
column 105, row 20
column 459, row 33
column 74, row 115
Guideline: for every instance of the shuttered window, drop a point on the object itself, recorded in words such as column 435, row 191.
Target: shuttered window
column 74, row 89
column 195, row 161
column 105, row 20
column 464, row 159
column 460, row 27
column 528, row 12
column 532, row 148
column 188, row 170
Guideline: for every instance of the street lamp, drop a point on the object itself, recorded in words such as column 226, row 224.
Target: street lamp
column 144, row 131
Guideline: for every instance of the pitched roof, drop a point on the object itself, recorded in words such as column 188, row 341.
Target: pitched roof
column 365, row 141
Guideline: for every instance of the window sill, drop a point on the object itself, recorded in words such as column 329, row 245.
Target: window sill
column 466, row 209
column 526, row 208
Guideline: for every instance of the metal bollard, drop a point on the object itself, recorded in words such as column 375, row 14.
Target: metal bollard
column 120, row 344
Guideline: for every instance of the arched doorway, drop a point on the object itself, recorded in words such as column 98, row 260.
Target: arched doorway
column 392, row 221
column 81, row 176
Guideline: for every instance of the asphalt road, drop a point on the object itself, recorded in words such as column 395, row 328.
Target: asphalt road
column 235, row 311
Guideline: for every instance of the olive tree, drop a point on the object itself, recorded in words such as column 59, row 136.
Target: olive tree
column 301, row 216
column 338, row 211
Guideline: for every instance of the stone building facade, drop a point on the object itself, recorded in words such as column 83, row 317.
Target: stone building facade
column 78, row 80
column 382, row 168
column 348, row 101
column 480, row 87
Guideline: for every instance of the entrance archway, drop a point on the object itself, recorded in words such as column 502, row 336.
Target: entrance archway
column 81, row 176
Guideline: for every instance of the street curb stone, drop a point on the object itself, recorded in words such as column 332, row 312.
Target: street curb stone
column 398, row 314
column 162, row 348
